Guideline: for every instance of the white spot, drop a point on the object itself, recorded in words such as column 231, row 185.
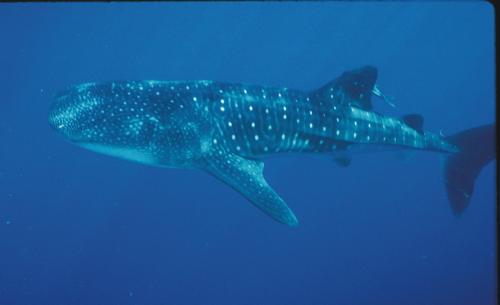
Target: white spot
column 194, row 99
column 238, row 148
column 269, row 127
column 279, row 94
column 355, row 123
column 256, row 137
column 298, row 120
column 282, row 136
column 324, row 128
column 369, row 125
column 267, row 110
column 284, row 108
column 250, row 108
column 337, row 119
column 284, row 117
column 233, row 137
column 368, row 138
column 355, row 135
column 253, row 124
column 311, row 125
column 245, row 91
column 230, row 124
column 222, row 101
column 215, row 141
column 157, row 92
column 310, row 112
column 222, row 109
column 337, row 132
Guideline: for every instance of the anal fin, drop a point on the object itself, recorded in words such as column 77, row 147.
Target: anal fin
column 246, row 177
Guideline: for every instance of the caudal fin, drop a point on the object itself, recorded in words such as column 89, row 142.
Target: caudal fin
column 477, row 148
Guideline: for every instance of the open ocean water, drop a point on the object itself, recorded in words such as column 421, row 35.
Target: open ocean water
column 80, row 228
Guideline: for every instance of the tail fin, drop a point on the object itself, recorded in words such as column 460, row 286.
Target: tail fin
column 478, row 148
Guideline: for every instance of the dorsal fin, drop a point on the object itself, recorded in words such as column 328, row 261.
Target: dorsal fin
column 353, row 88
column 415, row 121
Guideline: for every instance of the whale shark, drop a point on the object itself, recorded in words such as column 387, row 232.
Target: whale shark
column 228, row 129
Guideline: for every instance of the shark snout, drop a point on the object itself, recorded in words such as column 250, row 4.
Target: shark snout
column 65, row 113
column 56, row 124
column 78, row 113
column 57, row 119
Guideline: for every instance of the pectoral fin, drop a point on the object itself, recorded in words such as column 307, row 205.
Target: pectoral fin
column 246, row 176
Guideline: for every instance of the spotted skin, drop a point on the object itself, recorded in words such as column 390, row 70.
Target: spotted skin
column 225, row 129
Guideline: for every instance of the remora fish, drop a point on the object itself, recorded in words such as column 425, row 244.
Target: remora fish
column 225, row 129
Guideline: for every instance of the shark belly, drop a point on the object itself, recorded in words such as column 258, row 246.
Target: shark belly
column 132, row 154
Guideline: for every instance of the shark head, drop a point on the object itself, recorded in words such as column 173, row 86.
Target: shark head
column 92, row 116
column 142, row 121
column 74, row 114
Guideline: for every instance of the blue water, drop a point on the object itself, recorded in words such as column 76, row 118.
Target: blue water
column 80, row 228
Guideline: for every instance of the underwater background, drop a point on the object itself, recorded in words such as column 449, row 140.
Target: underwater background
column 77, row 227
